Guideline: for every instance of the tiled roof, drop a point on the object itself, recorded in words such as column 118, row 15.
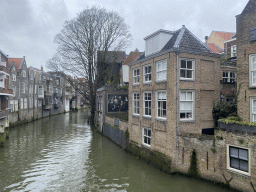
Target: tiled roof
column 224, row 35
column 215, row 48
column 250, row 7
column 132, row 57
column 186, row 41
column 17, row 62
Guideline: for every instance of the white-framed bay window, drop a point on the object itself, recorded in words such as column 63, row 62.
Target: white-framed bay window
column 136, row 103
column 253, row 109
column 252, row 70
column 187, row 105
column 161, row 70
column 147, row 96
column 136, row 76
column 146, row 136
column 161, row 104
column 147, row 73
column 238, row 159
column 187, row 67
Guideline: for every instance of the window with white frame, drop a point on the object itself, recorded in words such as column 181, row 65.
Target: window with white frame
column 252, row 68
column 35, row 88
column 13, row 77
column 23, row 88
column 40, row 90
column 39, row 103
column 228, row 76
column 31, row 76
column 147, row 73
column 12, row 105
column 25, row 103
column 186, row 105
column 24, row 73
column 30, row 102
column 146, row 136
column 2, row 82
column 35, row 103
column 186, row 69
column 161, row 67
column 136, row 103
column 136, row 76
column 233, row 51
column 161, row 104
column 238, row 159
column 15, row 105
column 147, row 103
column 14, row 90
column 253, row 109
column 21, row 103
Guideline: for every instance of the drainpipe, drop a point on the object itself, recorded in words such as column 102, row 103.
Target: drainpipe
column 177, row 97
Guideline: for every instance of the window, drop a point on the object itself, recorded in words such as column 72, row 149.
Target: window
column 2, row 83
column 40, row 90
column 24, row 73
column 23, row 88
column 186, row 69
column 30, row 89
column 161, row 104
column 11, row 105
column 35, row 103
column 161, row 70
column 233, row 51
column 147, row 74
column 146, row 136
column 136, row 76
column 39, row 103
column 252, row 68
column 31, row 76
column 136, row 103
column 99, row 105
column 147, row 104
column 186, row 105
column 238, row 159
column 30, row 102
column 35, row 88
column 15, row 105
column 13, row 77
column 14, row 90
column 253, row 109
column 21, row 103
column 228, row 76
column 25, row 103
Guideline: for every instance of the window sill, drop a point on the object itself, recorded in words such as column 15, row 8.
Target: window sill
column 160, row 119
column 146, row 146
column 244, row 174
column 161, row 81
column 146, row 83
column 187, row 121
column 137, row 116
column 187, row 79
column 137, row 84
column 146, row 117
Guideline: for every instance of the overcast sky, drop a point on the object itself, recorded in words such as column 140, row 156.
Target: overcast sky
column 27, row 27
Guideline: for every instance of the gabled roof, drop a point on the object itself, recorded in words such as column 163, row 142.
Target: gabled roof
column 216, row 49
column 184, row 40
column 250, row 7
column 132, row 57
column 224, row 35
column 16, row 61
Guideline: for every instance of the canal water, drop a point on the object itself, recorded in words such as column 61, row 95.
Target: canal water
column 62, row 153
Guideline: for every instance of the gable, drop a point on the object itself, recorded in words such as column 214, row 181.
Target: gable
column 250, row 7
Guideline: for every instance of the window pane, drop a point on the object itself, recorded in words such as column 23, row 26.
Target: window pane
column 149, row 141
column 159, row 67
column 189, row 64
column 233, row 152
column 164, row 65
column 183, row 64
column 182, row 96
column 182, row 106
column 159, row 95
column 189, row 106
column 189, row 74
column 243, row 154
column 182, row 115
column 234, row 163
column 149, row 132
column 244, row 165
column 164, row 95
column 189, row 96
column 182, row 73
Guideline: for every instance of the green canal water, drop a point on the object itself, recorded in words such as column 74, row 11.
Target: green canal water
column 62, row 153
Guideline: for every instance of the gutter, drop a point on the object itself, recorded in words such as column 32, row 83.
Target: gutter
column 177, row 96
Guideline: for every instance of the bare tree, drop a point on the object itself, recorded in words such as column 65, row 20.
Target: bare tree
column 94, row 30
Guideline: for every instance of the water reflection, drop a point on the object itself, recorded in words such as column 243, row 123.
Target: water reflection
column 62, row 153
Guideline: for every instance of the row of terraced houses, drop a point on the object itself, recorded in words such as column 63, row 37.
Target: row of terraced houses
column 28, row 93
column 173, row 86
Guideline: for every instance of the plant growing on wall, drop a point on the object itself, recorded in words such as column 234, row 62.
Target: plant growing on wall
column 193, row 169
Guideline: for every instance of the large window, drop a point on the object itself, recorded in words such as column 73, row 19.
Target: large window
column 146, row 136
column 161, row 104
column 228, row 76
column 136, row 76
column 147, row 73
column 186, row 69
column 186, row 105
column 161, row 67
column 238, row 159
column 252, row 67
column 136, row 103
column 253, row 109
column 147, row 104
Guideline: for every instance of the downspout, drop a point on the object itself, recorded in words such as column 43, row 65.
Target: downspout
column 177, row 97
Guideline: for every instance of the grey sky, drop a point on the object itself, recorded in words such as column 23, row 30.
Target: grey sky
column 29, row 26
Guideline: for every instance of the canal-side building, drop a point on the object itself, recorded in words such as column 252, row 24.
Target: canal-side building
column 5, row 92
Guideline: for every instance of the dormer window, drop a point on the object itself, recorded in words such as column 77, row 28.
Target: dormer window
column 31, row 76
column 24, row 73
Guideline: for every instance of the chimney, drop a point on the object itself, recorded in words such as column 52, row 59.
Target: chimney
column 206, row 40
column 42, row 68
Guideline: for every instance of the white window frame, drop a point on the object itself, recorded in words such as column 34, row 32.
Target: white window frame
column 144, row 104
column 23, row 73
column 239, row 171
column 31, row 77
column 161, row 68
column 233, row 51
column 25, row 103
column 187, row 69
column 227, row 77
column 251, row 70
column 16, row 108
column 136, row 104
column 14, row 90
column 12, row 105
column 252, row 113
column 136, row 77
column 23, row 88
column 21, row 103
column 147, row 136
column 13, row 77
column 147, row 74
column 192, row 118
column 161, row 100
column 35, row 103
